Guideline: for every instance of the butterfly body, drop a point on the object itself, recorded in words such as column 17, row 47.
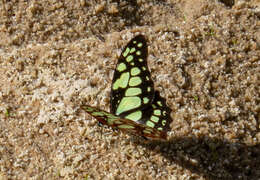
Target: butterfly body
column 135, row 106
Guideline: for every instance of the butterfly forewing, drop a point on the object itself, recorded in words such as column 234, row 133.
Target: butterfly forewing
column 132, row 87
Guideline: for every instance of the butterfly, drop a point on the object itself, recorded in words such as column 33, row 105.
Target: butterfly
column 135, row 106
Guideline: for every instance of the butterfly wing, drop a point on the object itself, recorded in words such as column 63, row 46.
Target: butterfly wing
column 132, row 87
column 157, row 115
column 125, row 124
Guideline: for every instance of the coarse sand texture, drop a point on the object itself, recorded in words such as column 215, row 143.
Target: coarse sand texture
column 182, row 102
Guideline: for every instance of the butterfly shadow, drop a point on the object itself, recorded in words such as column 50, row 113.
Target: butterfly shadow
column 211, row 158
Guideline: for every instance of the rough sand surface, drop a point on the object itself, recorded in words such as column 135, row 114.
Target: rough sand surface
column 204, row 59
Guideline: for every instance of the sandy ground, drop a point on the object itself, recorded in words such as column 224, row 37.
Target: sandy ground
column 204, row 59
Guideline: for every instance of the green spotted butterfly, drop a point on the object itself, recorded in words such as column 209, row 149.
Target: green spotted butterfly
column 134, row 104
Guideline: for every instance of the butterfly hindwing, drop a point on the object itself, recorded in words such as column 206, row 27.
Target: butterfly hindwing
column 157, row 115
column 132, row 87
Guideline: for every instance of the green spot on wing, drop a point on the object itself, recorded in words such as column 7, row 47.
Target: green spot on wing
column 138, row 53
column 126, row 126
column 97, row 113
column 126, row 52
column 145, row 100
column 128, row 103
column 148, row 130
column 135, row 71
column 150, row 124
column 129, row 58
column 132, row 50
column 133, row 92
column 111, row 118
column 155, row 119
column 89, row 109
column 164, row 113
column 163, row 122
column 157, row 112
column 121, row 67
column 135, row 116
column 135, row 81
column 139, row 44
column 159, row 103
column 122, row 81
column 118, row 122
